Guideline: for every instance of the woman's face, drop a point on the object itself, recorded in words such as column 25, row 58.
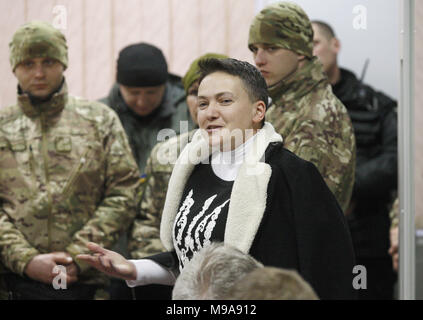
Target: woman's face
column 225, row 111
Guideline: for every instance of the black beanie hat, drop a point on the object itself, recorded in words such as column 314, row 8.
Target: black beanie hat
column 141, row 65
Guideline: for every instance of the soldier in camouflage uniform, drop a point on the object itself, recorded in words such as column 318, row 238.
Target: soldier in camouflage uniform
column 314, row 124
column 67, row 174
column 145, row 237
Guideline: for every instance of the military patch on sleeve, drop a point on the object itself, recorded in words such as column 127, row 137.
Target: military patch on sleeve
column 18, row 146
column 63, row 144
column 3, row 144
column 143, row 178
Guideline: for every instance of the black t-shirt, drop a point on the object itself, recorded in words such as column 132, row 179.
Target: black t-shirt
column 202, row 214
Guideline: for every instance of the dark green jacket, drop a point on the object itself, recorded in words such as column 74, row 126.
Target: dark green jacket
column 142, row 131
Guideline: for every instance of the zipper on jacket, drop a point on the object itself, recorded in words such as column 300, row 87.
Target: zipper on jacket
column 44, row 150
column 82, row 161
column 32, row 162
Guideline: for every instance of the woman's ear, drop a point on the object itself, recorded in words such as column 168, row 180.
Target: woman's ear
column 259, row 112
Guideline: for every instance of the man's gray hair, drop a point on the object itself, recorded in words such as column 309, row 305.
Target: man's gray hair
column 270, row 283
column 212, row 272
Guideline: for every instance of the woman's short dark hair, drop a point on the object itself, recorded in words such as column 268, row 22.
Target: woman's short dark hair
column 253, row 81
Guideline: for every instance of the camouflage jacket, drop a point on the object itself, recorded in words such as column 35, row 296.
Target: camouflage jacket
column 316, row 127
column 67, row 177
column 145, row 236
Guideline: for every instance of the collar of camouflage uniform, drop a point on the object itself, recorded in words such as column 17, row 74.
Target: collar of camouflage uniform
column 298, row 84
column 49, row 108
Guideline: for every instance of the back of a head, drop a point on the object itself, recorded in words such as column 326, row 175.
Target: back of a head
column 212, row 272
column 271, row 283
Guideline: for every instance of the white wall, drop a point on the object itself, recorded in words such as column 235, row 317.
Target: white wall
column 379, row 41
column 96, row 30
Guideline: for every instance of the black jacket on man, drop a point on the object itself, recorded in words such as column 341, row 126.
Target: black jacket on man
column 374, row 118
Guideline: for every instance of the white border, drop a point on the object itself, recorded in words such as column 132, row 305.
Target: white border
column 407, row 263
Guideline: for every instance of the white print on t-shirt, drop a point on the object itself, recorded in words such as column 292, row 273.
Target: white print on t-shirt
column 192, row 238
column 209, row 227
column 182, row 221
column 189, row 241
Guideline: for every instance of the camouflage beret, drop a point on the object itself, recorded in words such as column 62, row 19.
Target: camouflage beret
column 38, row 39
column 192, row 74
column 284, row 24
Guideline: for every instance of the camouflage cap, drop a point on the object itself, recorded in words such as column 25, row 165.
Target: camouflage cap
column 193, row 74
column 284, row 24
column 38, row 39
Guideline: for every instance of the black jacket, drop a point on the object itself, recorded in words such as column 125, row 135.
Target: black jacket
column 374, row 118
column 285, row 216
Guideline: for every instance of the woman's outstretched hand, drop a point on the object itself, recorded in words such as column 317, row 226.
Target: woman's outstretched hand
column 109, row 262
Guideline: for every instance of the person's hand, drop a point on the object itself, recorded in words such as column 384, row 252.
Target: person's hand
column 393, row 250
column 350, row 209
column 40, row 268
column 109, row 262
column 72, row 272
